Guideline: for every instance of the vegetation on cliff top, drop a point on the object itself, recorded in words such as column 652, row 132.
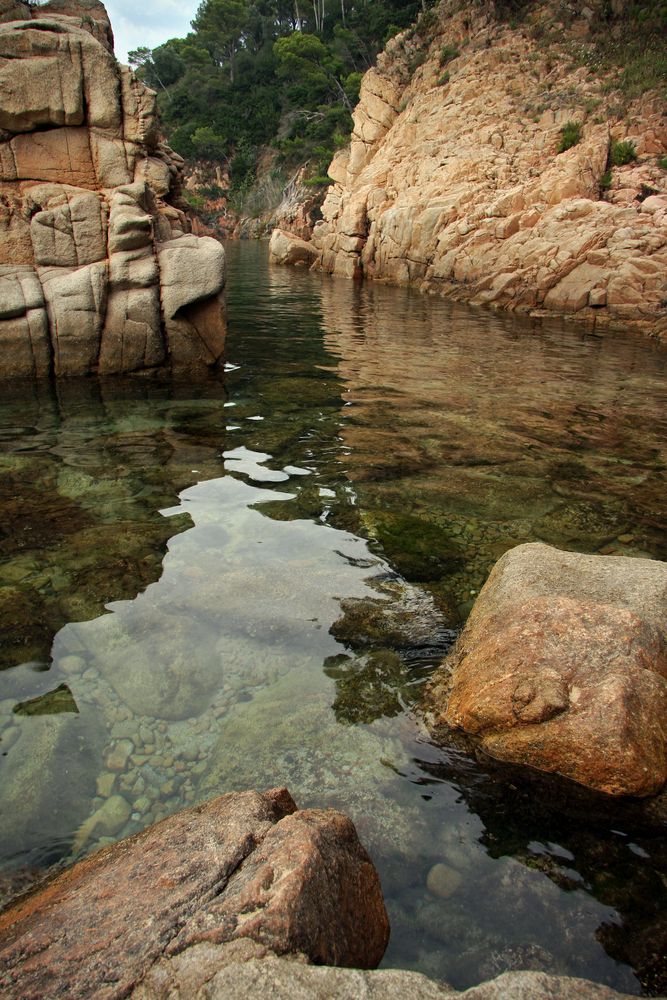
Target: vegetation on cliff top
column 286, row 73
column 259, row 72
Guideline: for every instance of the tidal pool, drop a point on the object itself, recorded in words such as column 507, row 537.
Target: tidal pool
column 218, row 586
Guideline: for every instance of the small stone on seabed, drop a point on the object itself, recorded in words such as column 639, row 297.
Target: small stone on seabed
column 119, row 754
column 443, row 881
column 105, row 783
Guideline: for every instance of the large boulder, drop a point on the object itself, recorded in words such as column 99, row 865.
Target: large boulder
column 242, row 866
column 286, row 248
column 91, row 224
column 563, row 666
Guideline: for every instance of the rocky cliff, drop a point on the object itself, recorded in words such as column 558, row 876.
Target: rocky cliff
column 99, row 271
column 454, row 180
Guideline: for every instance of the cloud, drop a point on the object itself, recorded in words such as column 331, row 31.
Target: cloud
column 148, row 22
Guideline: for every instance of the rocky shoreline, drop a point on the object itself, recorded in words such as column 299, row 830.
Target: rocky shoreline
column 99, row 270
column 455, row 180
column 245, row 895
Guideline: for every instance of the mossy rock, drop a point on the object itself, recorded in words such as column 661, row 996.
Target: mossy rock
column 418, row 549
column 370, row 687
column 52, row 703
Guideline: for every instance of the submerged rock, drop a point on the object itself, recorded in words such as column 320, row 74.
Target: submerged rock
column 98, row 269
column 241, row 866
column 563, row 666
column 47, row 772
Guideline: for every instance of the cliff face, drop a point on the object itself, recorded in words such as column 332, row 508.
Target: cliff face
column 98, row 269
column 453, row 180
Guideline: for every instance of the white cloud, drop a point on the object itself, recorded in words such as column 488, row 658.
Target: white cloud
column 148, row 22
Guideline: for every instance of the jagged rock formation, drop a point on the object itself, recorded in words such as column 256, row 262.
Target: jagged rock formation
column 453, row 180
column 98, row 269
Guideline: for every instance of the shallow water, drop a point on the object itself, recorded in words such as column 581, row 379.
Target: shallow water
column 206, row 588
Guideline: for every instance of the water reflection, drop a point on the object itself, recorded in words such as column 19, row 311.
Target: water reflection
column 86, row 466
column 215, row 579
column 474, row 432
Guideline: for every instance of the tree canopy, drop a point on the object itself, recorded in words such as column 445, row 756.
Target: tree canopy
column 259, row 72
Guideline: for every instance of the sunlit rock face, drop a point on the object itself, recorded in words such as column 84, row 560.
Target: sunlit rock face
column 98, row 269
column 454, row 180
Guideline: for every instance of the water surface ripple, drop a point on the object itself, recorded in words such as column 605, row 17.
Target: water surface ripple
column 221, row 586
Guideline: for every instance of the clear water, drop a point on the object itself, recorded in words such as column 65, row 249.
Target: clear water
column 207, row 587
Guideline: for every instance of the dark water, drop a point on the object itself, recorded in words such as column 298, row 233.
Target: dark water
column 206, row 588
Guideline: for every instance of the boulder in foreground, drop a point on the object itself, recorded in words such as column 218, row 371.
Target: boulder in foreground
column 242, row 866
column 243, row 971
column 563, row 666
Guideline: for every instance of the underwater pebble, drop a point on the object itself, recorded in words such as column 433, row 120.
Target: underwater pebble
column 443, row 881
column 118, row 757
column 145, row 733
column 142, row 804
column 107, row 821
column 123, row 731
column 105, row 783
column 72, row 664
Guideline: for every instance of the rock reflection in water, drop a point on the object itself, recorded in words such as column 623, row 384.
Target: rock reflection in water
column 83, row 478
column 260, row 632
column 469, row 432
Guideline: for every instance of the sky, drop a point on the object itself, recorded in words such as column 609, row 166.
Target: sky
column 148, row 22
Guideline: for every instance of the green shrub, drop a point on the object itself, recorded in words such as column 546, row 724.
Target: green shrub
column 662, row 162
column 623, row 152
column 447, row 53
column 417, row 60
column 570, row 136
column 605, row 180
column 444, row 79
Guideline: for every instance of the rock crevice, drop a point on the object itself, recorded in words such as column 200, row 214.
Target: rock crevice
column 99, row 270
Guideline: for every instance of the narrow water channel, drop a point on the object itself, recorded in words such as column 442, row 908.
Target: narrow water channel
column 219, row 586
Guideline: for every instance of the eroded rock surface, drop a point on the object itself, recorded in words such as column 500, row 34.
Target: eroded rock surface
column 98, row 270
column 243, row 866
column 206, row 973
column 453, row 180
column 563, row 666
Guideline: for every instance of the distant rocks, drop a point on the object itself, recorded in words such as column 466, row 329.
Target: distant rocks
column 285, row 248
column 562, row 666
column 98, row 269
column 243, row 866
column 453, row 181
